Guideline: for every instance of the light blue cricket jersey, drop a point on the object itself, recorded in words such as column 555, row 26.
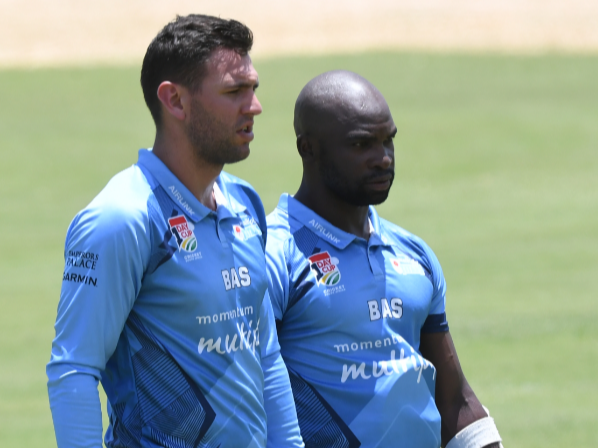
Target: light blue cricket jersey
column 349, row 314
column 167, row 302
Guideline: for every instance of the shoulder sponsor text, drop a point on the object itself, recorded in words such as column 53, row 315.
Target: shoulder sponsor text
column 78, row 278
column 323, row 231
column 179, row 198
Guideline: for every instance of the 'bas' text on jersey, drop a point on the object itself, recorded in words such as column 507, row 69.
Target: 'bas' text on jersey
column 176, row 295
column 351, row 341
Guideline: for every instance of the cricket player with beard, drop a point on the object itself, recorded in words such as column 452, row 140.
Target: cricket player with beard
column 164, row 294
column 360, row 302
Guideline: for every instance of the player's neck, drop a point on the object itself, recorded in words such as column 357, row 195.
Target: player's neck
column 195, row 174
column 347, row 217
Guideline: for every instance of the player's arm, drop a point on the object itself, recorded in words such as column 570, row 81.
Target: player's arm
column 280, row 394
column 102, row 276
column 283, row 427
column 456, row 401
column 464, row 422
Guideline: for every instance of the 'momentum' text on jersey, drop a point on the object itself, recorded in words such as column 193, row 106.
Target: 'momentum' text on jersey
column 349, row 314
column 167, row 302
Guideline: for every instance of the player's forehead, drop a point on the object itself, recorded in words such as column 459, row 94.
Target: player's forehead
column 351, row 104
column 364, row 129
column 356, row 119
column 227, row 67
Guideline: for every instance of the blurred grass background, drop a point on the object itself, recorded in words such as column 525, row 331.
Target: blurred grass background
column 497, row 169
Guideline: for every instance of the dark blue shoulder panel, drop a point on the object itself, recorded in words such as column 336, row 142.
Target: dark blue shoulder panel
column 298, row 267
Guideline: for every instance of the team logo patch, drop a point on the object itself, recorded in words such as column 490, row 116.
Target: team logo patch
column 407, row 266
column 325, row 268
column 183, row 232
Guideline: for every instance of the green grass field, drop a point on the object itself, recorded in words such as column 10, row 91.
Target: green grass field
column 497, row 169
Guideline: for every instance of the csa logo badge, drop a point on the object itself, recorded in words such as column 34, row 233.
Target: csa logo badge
column 325, row 268
column 183, row 232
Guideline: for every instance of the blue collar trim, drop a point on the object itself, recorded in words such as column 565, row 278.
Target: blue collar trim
column 175, row 189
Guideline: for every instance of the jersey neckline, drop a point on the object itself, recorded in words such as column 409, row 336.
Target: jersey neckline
column 227, row 207
column 326, row 231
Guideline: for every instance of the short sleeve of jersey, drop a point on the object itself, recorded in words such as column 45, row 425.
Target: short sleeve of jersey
column 436, row 321
column 278, row 275
column 105, row 252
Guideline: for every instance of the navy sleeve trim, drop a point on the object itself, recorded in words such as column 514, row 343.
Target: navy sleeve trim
column 435, row 323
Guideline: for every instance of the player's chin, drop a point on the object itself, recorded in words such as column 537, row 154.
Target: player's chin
column 377, row 192
column 375, row 197
column 379, row 199
column 364, row 197
column 240, row 153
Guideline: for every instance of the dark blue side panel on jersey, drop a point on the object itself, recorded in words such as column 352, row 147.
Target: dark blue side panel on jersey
column 170, row 411
column 320, row 425
column 126, row 431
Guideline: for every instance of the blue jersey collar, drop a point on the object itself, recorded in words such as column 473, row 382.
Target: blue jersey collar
column 314, row 222
column 189, row 204
column 323, row 229
column 227, row 205
column 377, row 237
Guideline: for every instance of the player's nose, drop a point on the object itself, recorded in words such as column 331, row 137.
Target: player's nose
column 388, row 160
column 254, row 106
column 384, row 157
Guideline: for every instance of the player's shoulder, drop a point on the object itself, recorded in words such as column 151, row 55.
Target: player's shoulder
column 281, row 225
column 406, row 240
column 278, row 220
column 235, row 185
column 126, row 195
column 122, row 203
column 242, row 191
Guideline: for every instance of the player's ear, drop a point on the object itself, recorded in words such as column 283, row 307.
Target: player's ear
column 305, row 147
column 173, row 97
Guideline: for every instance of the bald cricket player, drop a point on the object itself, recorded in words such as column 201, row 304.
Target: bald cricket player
column 359, row 302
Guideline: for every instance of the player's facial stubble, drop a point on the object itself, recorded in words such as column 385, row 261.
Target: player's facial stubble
column 350, row 189
column 212, row 138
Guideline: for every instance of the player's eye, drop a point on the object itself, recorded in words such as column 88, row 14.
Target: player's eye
column 362, row 143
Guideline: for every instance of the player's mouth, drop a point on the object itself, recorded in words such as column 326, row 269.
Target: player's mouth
column 246, row 132
column 381, row 182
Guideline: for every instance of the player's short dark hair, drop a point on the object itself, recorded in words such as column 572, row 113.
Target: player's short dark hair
column 179, row 53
